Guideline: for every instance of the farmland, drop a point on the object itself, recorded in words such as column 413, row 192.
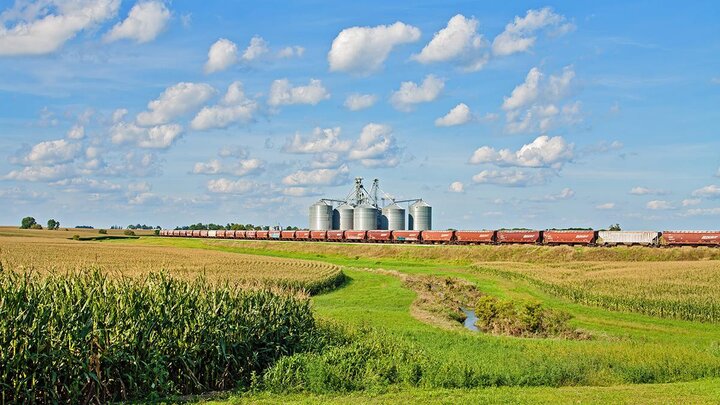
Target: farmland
column 384, row 349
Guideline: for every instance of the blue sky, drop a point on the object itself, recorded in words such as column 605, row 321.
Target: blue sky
column 536, row 114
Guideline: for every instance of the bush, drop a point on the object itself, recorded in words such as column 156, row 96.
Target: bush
column 129, row 232
column 156, row 232
column 102, row 232
column 84, row 338
column 503, row 317
column 76, row 237
column 36, row 226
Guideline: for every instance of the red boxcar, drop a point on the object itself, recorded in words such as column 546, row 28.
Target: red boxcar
column 262, row 234
column 320, row 235
column 220, row 234
column 691, row 238
column 230, row 234
column 195, row 234
column 203, row 234
column 335, row 235
column 355, row 235
column 518, row 236
column 552, row 237
column 405, row 236
column 379, row 235
column 302, row 235
column 437, row 236
column 469, row 237
column 250, row 234
column 287, row 235
column 239, row 234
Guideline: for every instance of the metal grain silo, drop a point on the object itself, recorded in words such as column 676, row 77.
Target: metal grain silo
column 393, row 218
column 321, row 216
column 420, row 216
column 365, row 217
column 345, row 214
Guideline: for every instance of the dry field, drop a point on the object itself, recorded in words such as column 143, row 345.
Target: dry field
column 65, row 233
column 47, row 254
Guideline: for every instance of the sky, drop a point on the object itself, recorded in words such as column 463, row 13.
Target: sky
column 498, row 114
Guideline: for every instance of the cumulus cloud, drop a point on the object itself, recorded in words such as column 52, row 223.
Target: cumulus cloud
column 257, row 48
column 156, row 137
column 52, row 152
column 702, row 211
column 519, row 35
column 283, row 93
column 646, row 191
column 707, row 191
column 43, row 27
column 410, row 93
column 76, row 132
column 376, row 147
column 356, row 101
column 544, row 151
column 510, row 178
column 227, row 186
column 176, row 100
column 321, row 141
column 301, row 191
column 460, row 42
column 524, row 93
column 689, row 202
column 212, row 167
column 118, row 115
column 222, row 54
column 658, row 205
column 291, row 51
column 457, row 187
column 41, row 173
column 146, row 20
column 318, row 177
column 88, row 185
column 363, row 50
column 606, row 206
column 564, row 194
column 460, row 114
column 240, row 168
column 234, row 107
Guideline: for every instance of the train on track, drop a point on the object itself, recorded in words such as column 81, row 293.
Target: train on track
column 491, row 237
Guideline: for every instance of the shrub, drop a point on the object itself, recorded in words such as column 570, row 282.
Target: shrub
column 102, row 232
column 86, row 338
column 76, row 237
column 526, row 319
column 129, row 232
column 36, row 226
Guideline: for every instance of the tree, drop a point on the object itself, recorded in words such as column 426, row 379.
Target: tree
column 27, row 223
column 615, row 227
column 53, row 224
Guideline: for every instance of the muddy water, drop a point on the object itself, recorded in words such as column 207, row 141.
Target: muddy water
column 470, row 320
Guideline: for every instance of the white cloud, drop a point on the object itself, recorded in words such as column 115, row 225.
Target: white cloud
column 707, row 191
column 76, row 132
column 564, row 194
column 691, row 202
column 88, row 185
column 212, row 167
column 40, row 173
column 519, row 35
column 52, row 152
column 460, row 114
column 233, row 151
column 234, row 107
column 222, row 54
column 509, row 178
column 457, row 187
column 318, row 177
column 241, row 168
column 257, row 49
column 542, row 152
column 227, row 186
column 321, row 141
column 606, row 206
column 356, row 102
column 646, row 191
column 702, row 211
column 658, row 205
column 410, row 93
column 291, row 51
column 376, row 147
column 146, row 20
column 363, row 50
column 43, row 27
column 176, row 100
column 300, row 192
column 282, row 93
column 524, row 93
column 459, row 42
column 118, row 115
column 156, row 137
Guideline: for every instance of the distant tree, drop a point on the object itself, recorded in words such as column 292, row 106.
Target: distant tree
column 53, row 224
column 27, row 223
column 36, row 226
column 615, row 227
column 129, row 232
column 102, row 232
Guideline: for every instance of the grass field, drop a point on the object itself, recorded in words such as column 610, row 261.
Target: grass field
column 632, row 357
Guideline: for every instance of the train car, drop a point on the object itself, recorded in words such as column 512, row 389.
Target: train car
column 628, row 238
column 274, row 234
column 518, row 236
column 691, row 238
column 569, row 237
column 405, row 236
column 250, row 234
column 212, row 234
column 356, row 236
column 287, row 235
column 474, row 237
column 335, row 236
column 381, row 236
column 302, row 235
column 437, row 236
column 262, row 234
column 194, row 234
column 320, row 235
column 204, row 233
column 239, row 235
column 230, row 234
column 220, row 234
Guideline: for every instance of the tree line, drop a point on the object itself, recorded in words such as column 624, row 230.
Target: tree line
column 232, row 227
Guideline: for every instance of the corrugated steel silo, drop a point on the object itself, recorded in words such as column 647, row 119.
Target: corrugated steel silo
column 420, row 216
column 345, row 216
column 365, row 217
column 321, row 216
column 393, row 218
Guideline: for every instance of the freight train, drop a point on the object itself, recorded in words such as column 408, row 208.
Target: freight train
column 491, row 237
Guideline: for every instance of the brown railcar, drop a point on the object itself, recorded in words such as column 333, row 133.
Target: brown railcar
column 473, row 237
column 691, row 238
column 553, row 237
column 519, row 236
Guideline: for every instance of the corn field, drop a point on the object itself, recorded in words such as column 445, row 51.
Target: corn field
column 679, row 290
column 88, row 338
